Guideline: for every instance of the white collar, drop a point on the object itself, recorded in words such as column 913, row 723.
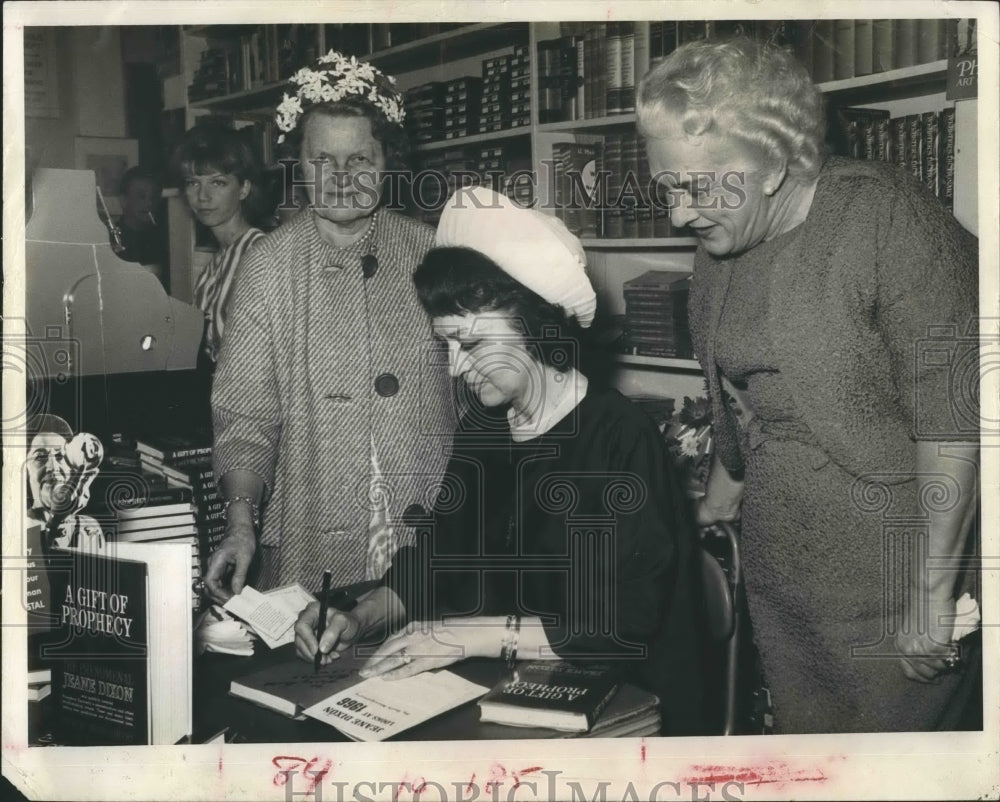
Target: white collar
column 522, row 429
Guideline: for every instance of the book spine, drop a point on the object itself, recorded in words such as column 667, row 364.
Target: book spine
column 823, row 51
column 579, row 44
column 843, row 56
column 601, row 74
column 641, row 51
column 898, row 131
column 930, row 40
column 914, row 140
column 630, row 185
column 883, row 45
column 930, row 147
column 613, row 68
column 946, row 160
column 883, row 140
column 863, row 46
column 627, row 69
column 613, row 165
column 906, row 43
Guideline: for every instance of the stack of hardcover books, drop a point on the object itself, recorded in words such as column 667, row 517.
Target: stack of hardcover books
column 656, row 321
column 461, row 106
column 497, row 95
column 425, row 112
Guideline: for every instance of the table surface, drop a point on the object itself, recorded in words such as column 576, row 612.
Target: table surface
column 245, row 722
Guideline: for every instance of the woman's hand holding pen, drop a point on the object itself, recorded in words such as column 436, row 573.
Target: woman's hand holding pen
column 341, row 630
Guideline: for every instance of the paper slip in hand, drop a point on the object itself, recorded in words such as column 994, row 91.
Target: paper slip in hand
column 270, row 620
column 287, row 602
column 376, row 708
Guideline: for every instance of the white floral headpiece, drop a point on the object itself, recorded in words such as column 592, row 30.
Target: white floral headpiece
column 336, row 77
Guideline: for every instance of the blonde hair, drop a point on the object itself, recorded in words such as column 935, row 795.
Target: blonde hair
column 755, row 93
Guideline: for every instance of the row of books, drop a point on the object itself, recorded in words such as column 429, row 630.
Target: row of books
column 497, row 100
column 267, row 55
column 922, row 143
column 592, row 69
column 495, row 165
column 656, row 318
column 604, row 189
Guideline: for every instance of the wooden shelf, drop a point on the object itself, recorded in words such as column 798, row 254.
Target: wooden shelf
column 614, row 121
column 474, row 139
column 666, row 363
column 262, row 99
column 639, row 242
column 904, row 78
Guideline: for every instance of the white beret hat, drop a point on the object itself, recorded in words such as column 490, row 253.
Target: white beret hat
column 533, row 248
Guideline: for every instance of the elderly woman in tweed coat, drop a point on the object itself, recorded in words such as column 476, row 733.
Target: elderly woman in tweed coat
column 329, row 421
column 817, row 284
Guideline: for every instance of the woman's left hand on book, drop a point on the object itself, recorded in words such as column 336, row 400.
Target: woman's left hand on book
column 421, row 646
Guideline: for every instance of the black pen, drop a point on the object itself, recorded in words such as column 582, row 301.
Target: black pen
column 324, row 604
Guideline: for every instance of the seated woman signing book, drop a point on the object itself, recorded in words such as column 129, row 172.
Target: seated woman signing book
column 560, row 531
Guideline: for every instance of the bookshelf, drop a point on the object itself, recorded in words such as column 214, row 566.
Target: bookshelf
column 419, row 54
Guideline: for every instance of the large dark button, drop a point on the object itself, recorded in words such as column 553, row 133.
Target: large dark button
column 369, row 265
column 386, row 385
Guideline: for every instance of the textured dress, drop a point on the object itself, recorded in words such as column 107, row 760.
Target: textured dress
column 822, row 327
column 584, row 526
column 321, row 371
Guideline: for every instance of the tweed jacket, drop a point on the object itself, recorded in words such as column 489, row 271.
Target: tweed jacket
column 318, row 366
column 877, row 277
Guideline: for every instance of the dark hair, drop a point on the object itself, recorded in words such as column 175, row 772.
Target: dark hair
column 457, row 281
column 133, row 174
column 391, row 136
column 215, row 148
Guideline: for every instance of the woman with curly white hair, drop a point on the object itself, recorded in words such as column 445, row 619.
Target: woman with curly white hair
column 328, row 421
column 816, row 280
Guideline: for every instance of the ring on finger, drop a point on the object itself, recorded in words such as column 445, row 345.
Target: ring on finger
column 952, row 661
column 405, row 656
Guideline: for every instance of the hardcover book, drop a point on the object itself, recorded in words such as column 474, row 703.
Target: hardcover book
column 558, row 694
column 121, row 668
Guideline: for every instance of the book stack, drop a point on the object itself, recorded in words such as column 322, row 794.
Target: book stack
column 491, row 165
column 187, row 465
column 461, row 100
column 497, row 95
column 425, row 112
column 552, row 694
column 577, row 194
column 520, row 87
column 656, row 320
column 39, row 684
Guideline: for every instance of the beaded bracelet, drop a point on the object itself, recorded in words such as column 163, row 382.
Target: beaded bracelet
column 254, row 510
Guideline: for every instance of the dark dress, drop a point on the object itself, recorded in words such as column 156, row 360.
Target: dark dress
column 583, row 526
column 818, row 544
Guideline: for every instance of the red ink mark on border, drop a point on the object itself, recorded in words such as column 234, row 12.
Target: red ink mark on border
column 472, row 782
column 755, row 775
column 642, row 751
column 220, row 764
column 288, row 765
